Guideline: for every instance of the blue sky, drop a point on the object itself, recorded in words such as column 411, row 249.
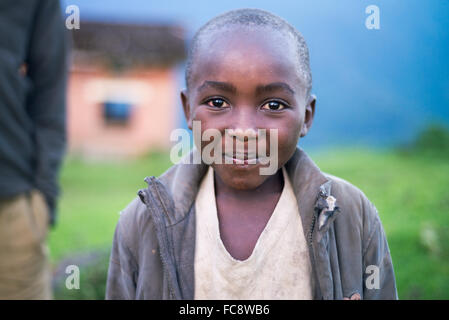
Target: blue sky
column 374, row 87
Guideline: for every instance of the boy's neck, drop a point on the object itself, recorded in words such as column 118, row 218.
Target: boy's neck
column 274, row 184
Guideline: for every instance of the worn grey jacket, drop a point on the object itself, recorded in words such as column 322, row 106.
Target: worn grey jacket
column 154, row 243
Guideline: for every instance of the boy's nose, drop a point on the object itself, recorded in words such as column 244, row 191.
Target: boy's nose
column 242, row 134
column 243, row 123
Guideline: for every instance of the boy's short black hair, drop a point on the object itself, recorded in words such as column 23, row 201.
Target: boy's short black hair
column 248, row 18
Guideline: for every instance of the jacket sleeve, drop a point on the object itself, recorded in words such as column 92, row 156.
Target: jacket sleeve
column 121, row 280
column 379, row 278
column 46, row 64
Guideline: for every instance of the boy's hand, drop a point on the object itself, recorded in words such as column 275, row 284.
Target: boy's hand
column 355, row 296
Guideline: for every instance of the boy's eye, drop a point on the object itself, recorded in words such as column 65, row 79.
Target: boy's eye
column 273, row 106
column 217, row 103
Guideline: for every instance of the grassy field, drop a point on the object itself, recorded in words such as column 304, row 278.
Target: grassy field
column 410, row 192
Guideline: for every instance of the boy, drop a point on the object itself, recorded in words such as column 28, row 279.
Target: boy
column 226, row 231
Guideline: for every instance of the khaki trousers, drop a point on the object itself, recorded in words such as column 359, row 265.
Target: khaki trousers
column 25, row 271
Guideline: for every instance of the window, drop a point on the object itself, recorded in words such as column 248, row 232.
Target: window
column 115, row 112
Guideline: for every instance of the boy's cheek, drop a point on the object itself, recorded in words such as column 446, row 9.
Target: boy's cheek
column 288, row 139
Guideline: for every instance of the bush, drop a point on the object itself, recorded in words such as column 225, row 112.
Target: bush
column 434, row 138
column 432, row 141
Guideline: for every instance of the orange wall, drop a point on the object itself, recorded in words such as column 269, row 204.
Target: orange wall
column 152, row 119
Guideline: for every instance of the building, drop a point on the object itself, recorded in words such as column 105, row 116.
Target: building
column 122, row 88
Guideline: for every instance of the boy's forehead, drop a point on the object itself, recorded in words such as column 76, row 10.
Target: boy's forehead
column 256, row 51
column 245, row 39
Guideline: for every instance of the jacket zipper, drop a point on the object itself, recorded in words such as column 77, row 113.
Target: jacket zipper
column 164, row 238
column 170, row 288
column 317, row 212
column 312, row 226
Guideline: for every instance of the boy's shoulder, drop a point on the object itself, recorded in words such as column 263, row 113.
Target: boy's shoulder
column 133, row 212
column 174, row 190
column 132, row 218
column 346, row 191
column 349, row 194
column 357, row 212
column 303, row 171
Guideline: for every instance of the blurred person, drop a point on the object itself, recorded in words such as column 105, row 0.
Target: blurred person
column 33, row 70
column 226, row 231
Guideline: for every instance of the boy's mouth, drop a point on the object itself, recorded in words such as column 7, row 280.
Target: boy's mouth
column 244, row 158
column 235, row 160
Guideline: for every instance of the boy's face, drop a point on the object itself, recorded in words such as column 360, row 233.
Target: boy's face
column 244, row 79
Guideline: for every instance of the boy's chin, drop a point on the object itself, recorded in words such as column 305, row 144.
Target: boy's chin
column 240, row 179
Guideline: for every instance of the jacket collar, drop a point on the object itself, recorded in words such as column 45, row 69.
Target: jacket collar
column 308, row 184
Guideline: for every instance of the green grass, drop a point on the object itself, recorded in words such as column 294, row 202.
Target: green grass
column 93, row 195
column 410, row 192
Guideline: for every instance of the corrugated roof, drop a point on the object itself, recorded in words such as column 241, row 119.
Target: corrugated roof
column 125, row 45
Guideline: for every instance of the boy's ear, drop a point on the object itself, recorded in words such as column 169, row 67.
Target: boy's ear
column 186, row 107
column 309, row 114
